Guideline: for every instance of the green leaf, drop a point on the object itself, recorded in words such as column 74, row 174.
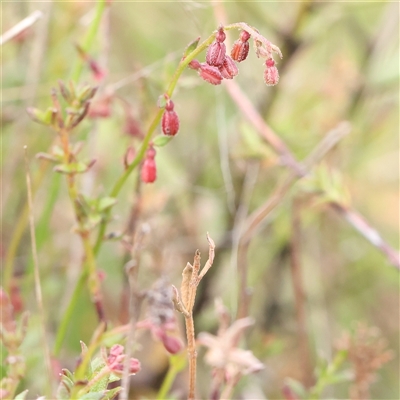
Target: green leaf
column 48, row 157
column 65, row 386
column 97, row 365
column 342, row 376
column 72, row 168
column 191, row 46
column 161, row 140
column 110, row 394
column 106, row 202
column 43, row 117
column 93, row 396
column 21, row 396
column 297, row 387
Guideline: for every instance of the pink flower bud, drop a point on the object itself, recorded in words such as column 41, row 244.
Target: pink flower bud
column 149, row 171
column 216, row 51
column 172, row 344
column 244, row 36
column 134, row 366
column 228, row 69
column 170, row 120
column 98, row 73
column 194, row 64
column 271, row 74
column 132, row 126
column 210, row 74
column 240, row 50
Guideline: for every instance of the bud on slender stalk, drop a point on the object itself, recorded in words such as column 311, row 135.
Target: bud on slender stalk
column 240, row 48
column 170, row 120
column 216, row 51
column 271, row 74
column 149, row 170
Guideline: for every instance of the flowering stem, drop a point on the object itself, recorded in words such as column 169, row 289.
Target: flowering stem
column 153, row 126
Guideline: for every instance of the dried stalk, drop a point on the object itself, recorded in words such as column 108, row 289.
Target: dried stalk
column 191, row 277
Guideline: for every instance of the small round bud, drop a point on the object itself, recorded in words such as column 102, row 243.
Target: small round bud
column 194, row 64
column 244, row 36
column 220, row 36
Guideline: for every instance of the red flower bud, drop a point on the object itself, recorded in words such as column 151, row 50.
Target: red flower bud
column 148, row 172
column 170, row 120
column 244, row 36
column 98, row 73
column 216, row 51
column 172, row 344
column 210, row 74
column 271, row 74
column 240, row 50
column 228, row 69
column 194, row 64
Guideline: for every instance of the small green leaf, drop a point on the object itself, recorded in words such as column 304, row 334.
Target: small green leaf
column 191, row 46
column 93, row 396
column 110, row 394
column 161, row 140
column 48, row 157
column 297, row 387
column 21, row 396
column 43, row 117
column 106, row 202
column 72, row 168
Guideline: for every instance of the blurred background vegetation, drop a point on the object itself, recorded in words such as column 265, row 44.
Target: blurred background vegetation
column 340, row 63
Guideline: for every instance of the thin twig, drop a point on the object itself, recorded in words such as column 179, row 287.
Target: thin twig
column 254, row 221
column 300, row 170
column 20, row 27
column 366, row 230
column 38, row 288
column 299, row 293
column 135, row 300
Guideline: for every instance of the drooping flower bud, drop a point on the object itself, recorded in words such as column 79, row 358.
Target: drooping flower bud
column 216, row 51
column 210, row 74
column 172, row 344
column 148, row 172
column 271, row 74
column 228, row 69
column 170, row 120
column 240, row 48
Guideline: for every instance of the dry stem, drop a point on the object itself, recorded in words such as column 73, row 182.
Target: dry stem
column 191, row 277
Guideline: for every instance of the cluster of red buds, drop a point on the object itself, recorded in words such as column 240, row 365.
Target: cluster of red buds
column 219, row 65
column 116, row 359
column 149, row 169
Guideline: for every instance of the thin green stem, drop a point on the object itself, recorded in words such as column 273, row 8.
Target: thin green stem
column 167, row 382
column 89, row 38
column 19, row 229
column 62, row 329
